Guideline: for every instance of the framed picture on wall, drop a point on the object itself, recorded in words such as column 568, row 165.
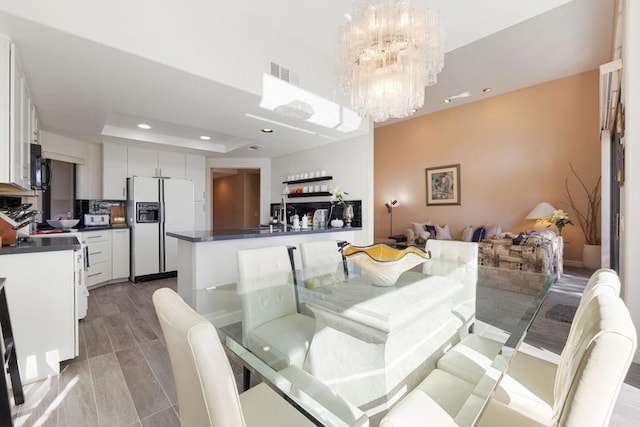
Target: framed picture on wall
column 443, row 185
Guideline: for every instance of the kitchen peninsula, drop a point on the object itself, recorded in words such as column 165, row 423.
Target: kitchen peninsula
column 43, row 281
column 207, row 258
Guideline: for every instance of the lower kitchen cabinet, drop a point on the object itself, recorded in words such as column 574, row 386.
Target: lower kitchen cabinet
column 98, row 245
column 108, row 252
column 120, row 249
column 40, row 290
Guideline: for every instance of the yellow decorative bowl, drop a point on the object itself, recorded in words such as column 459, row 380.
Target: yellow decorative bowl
column 384, row 264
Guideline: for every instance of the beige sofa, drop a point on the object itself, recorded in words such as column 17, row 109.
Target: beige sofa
column 540, row 254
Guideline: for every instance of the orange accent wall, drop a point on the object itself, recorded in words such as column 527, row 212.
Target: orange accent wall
column 514, row 152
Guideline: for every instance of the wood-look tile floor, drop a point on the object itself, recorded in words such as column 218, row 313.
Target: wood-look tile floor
column 122, row 376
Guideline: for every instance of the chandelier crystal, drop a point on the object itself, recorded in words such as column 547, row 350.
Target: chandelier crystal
column 387, row 55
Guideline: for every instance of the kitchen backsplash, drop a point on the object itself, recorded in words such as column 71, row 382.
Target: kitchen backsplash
column 98, row 207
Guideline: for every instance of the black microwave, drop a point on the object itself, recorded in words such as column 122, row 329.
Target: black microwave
column 36, row 167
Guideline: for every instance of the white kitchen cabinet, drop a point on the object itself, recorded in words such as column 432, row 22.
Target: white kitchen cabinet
column 99, row 250
column 151, row 163
column 89, row 175
column 41, row 290
column 114, row 171
column 200, row 217
column 14, row 121
column 171, row 164
column 196, row 172
column 141, row 162
column 120, row 249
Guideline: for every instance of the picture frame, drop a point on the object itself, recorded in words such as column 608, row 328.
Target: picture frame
column 443, row 185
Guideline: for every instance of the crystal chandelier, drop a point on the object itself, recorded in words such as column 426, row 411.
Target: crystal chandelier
column 389, row 52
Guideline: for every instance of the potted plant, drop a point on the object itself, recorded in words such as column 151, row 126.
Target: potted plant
column 587, row 220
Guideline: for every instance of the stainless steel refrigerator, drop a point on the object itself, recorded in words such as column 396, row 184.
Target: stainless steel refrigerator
column 154, row 207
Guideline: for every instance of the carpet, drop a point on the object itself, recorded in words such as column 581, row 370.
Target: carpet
column 562, row 313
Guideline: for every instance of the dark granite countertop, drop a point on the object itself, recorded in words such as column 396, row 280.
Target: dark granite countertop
column 42, row 244
column 211, row 236
column 80, row 229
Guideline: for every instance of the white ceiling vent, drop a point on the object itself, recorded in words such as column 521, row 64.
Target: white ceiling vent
column 277, row 70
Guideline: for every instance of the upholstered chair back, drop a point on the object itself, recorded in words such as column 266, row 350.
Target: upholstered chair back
column 322, row 262
column 458, row 260
column 591, row 372
column 265, row 286
column 207, row 393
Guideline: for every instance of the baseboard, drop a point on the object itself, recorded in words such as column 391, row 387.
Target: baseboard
column 573, row 263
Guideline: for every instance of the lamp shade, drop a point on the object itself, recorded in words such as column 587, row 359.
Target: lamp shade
column 542, row 210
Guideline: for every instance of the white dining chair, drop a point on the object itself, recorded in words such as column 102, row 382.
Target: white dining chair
column 323, row 263
column 457, row 260
column 206, row 388
column 272, row 328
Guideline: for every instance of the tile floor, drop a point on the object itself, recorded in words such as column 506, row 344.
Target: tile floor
column 123, row 374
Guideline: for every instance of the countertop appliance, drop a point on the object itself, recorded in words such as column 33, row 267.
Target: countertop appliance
column 155, row 206
column 320, row 217
column 93, row 220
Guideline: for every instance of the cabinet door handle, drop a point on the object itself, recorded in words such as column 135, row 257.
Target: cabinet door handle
column 94, row 237
column 95, row 274
column 95, row 253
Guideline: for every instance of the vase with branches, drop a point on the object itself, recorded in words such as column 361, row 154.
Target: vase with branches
column 587, row 220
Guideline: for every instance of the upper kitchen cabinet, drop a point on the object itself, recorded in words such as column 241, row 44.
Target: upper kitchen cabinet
column 89, row 179
column 16, row 122
column 151, row 163
column 196, row 172
column 114, row 171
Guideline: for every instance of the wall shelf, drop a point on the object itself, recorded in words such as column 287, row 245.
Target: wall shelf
column 302, row 181
column 320, row 193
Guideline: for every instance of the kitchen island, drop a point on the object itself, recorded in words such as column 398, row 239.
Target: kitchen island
column 207, row 258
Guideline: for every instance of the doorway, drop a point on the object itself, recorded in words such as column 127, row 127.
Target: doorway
column 235, row 198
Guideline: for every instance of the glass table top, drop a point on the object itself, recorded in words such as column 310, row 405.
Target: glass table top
column 506, row 301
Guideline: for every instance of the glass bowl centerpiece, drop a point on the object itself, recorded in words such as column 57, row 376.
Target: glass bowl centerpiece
column 384, row 264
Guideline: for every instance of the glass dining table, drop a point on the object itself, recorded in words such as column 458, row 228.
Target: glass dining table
column 371, row 345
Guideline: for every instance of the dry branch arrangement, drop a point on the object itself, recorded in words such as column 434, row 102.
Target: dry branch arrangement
column 588, row 221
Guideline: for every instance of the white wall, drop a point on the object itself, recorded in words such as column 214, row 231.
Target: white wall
column 265, row 181
column 630, row 202
column 350, row 162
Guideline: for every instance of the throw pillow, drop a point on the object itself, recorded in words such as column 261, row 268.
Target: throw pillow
column 443, row 233
column 492, row 230
column 409, row 234
column 424, row 235
column 418, row 227
column 467, row 233
column 479, row 234
column 432, row 230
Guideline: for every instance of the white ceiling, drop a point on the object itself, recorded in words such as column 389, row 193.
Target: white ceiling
column 93, row 75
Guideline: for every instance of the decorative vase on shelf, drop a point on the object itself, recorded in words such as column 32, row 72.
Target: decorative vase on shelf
column 337, row 223
column 348, row 214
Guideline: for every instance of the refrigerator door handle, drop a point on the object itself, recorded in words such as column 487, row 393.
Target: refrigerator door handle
column 163, row 237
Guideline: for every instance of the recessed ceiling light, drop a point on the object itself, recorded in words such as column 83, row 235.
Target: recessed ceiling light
column 487, row 89
column 144, row 126
column 267, row 130
column 205, row 137
column 446, row 101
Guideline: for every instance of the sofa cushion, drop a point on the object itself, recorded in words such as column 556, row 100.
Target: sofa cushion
column 479, row 234
column 432, row 230
column 443, row 232
column 467, row 233
column 419, row 227
column 492, row 230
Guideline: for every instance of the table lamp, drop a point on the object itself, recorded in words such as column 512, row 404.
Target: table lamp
column 540, row 213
